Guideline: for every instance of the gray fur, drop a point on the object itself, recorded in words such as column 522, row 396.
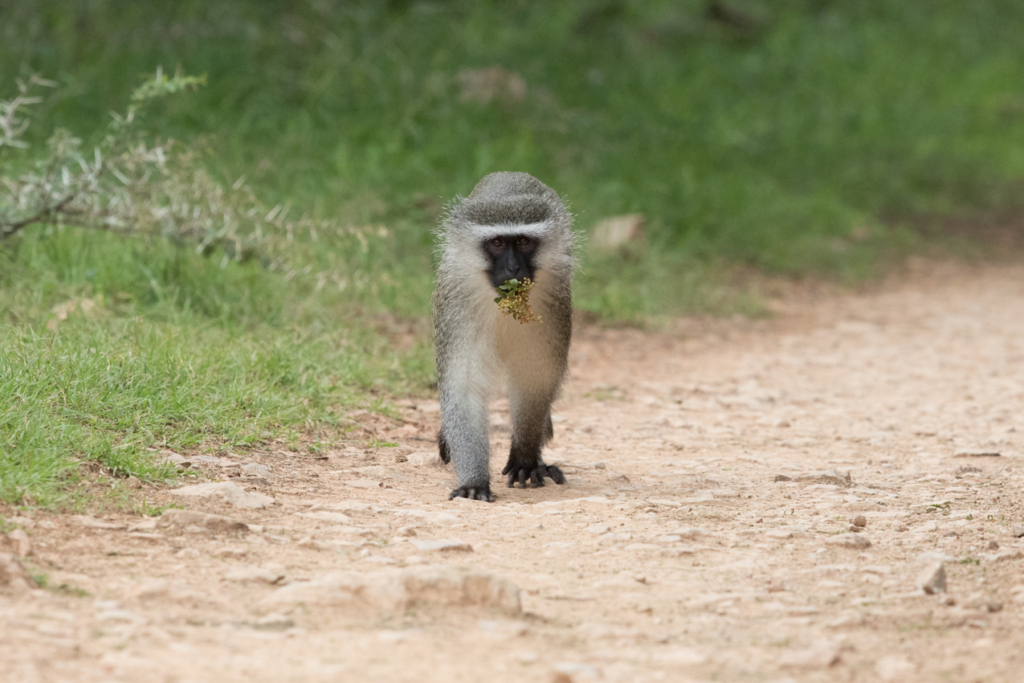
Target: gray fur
column 476, row 344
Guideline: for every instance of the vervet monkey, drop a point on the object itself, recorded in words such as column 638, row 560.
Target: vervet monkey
column 512, row 226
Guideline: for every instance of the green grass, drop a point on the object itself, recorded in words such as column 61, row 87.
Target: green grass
column 791, row 137
column 175, row 352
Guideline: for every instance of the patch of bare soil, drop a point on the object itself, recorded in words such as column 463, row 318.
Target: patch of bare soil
column 746, row 501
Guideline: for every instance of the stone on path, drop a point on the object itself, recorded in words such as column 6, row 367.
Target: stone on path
column 394, row 591
column 268, row 573
column 826, row 477
column 425, row 459
column 852, row 541
column 93, row 523
column 976, row 453
column 932, row 579
column 226, row 492
column 150, row 588
column 821, row 655
column 255, row 469
column 1004, row 555
column 184, row 518
column 615, row 231
column 443, row 545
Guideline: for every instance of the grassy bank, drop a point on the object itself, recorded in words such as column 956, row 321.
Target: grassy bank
column 754, row 135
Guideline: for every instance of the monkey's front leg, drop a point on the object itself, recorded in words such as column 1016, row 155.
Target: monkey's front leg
column 531, row 425
column 464, row 440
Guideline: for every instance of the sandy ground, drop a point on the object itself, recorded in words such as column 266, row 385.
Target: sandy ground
column 705, row 531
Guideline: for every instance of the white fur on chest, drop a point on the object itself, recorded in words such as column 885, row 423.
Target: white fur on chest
column 522, row 350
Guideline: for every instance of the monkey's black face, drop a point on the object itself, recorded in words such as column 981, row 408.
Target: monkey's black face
column 511, row 258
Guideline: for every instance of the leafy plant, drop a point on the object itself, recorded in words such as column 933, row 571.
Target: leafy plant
column 132, row 186
column 514, row 299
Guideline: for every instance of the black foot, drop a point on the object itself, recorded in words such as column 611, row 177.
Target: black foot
column 534, row 475
column 473, row 493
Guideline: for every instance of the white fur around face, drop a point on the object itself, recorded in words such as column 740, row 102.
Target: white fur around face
column 485, row 232
column 553, row 252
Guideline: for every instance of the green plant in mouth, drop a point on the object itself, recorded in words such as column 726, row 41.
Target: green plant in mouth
column 514, row 299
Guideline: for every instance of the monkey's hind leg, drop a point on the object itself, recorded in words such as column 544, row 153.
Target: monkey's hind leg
column 531, row 429
column 442, row 447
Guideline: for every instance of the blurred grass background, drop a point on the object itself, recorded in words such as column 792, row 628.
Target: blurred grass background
column 792, row 137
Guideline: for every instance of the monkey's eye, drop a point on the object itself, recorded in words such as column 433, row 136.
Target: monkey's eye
column 522, row 240
column 497, row 243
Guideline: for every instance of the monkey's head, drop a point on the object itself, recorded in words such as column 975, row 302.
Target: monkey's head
column 512, row 226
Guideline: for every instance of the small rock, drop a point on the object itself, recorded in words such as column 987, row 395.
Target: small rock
column 1018, row 532
column 981, row 602
column 269, row 573
column 783, row 477
column 483, row 86
column 254, row 469
column 450, row 545
column 859, row 520
column 185, row 518
column 1004, row 555
column 328, row 516
column 668, row 538
column 852, row 541
column 818, row 656
column 401, row 457
column 406, row 531
column 993, row 545
column 143, row 526
column 172, row 458
column 273, row 622
column 93, row 523
column 976, row 453
column 932, row 578
column 615, row 231
column 227, row 492
column 152, row 588
column 364, row 483
column 779, row 533
column 826, row 477
column 425, row 459
column 599, row 528
column 133, row 482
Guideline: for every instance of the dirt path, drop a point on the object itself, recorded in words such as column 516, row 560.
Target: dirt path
column 704, row 533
